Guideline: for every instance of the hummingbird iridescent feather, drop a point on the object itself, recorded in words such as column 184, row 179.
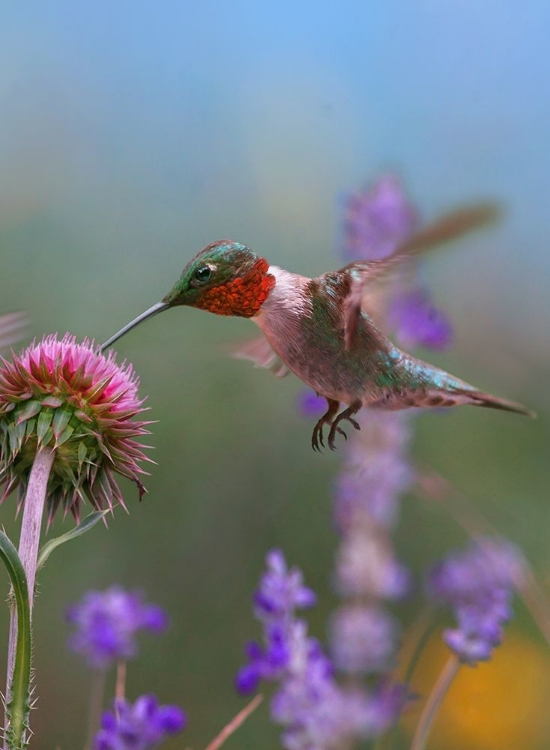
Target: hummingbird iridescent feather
column 324, row 330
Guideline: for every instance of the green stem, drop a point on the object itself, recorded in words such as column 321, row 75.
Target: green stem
column 435, row 699
column 17, row 706
column 425, row 634
column 33, row 510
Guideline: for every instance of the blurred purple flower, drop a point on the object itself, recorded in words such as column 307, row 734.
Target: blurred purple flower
column 386, row 705
column 363, row 639
column 107, row 622
column 377, row 470
column 376, row 473
column 310, row 404
column 141, row 726
column 318, row 714
column 377, row 220
column 382, row 446
column 281, row 590
column 417, row 322
column 478, row 585
column 366, row 566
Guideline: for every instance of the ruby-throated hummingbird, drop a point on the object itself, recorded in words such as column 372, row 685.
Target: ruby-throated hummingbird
column 323, row 329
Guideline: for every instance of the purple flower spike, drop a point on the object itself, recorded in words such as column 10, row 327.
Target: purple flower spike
column 281, row 591
column 107, row 623
column 377, row 220
column 386, row 706
column 418, row 322
column 377, row 471
column 141, row 726
column 478, row 585
column 363, row 639
column 316, row 712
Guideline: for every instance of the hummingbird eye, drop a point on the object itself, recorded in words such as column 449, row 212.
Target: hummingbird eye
column 202, row 275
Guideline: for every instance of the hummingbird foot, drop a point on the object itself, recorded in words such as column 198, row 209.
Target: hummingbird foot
column 347, row 414
column 327, row 418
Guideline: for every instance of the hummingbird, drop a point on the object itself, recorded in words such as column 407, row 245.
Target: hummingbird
column 324, row 330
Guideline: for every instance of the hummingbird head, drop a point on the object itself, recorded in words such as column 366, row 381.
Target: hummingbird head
column 226, row 278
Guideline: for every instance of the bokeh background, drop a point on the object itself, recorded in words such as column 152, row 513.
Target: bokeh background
column 134, row 133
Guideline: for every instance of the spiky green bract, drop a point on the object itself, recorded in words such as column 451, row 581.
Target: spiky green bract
column 83, row 405
column 18, row 702
column 84, row 526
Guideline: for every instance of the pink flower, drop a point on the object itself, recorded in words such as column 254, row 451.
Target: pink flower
column 71, row 398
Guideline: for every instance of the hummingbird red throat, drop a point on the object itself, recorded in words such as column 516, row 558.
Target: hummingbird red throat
column 324, row 330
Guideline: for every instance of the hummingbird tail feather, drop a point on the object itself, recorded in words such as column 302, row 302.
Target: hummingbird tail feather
column 479, row 398
column 441, row 389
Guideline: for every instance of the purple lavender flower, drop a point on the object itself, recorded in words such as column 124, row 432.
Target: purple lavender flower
column 376, row 473
column 366, row 566
column 478, row 585
column 378, row 470
column 363, row 639
column 280, row 593
column 377, row 220
column 281, row 590
column 107, row 622
column 141, row 726
column 418, row 322
column 318, row 714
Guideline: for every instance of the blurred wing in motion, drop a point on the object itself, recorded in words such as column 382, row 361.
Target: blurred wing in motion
column 259, row 351
column 13, row 327
column 447, row 228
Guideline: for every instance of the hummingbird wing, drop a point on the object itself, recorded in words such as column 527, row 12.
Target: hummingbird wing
column 449, row 227
column 260, row 351
column 13, row 326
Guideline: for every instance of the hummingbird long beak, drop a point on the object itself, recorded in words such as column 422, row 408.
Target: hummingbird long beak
column 159, row 307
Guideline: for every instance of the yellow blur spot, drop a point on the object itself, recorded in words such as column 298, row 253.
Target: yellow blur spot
column 503, row 704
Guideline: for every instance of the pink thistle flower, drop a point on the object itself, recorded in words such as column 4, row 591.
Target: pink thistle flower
column 81, row 404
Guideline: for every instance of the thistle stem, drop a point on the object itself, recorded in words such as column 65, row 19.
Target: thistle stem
column 29, row 540
column 433, row 704
column 32, row 514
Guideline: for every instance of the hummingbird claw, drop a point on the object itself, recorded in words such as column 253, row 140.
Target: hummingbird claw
column 317, row 441
column 332, row 443
column 347, row 414
column 317, row 438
